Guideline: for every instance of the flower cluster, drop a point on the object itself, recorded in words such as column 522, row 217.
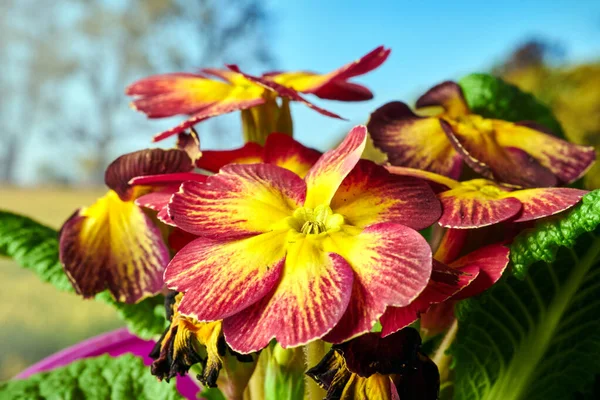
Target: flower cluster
column 277, row 242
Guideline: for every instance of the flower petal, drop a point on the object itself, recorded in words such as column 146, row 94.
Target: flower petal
column 162, row 188
column 413, row 141
column 283, row 92
column 113, row 245
column 567, row 161
column 327, row 174
column 220, row 279
column 240, row 201
column 447, row 95
column 178, row 239
column 310, row 299
column 475, row 204
column 172, row 94
column 214, row 160
column 168, row 179
column 444, row 283
column 392, row 266
column 282, row 150
column 476, row 141
column 491, row 261
column 375, row 387
column 370, row 194
column 144, row 162
column 190, row 143
column 334, row 85
column 223, row 107
column 543, row 202
column 158, row 201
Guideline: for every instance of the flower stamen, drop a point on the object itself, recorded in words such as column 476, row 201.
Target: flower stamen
column 315, row 221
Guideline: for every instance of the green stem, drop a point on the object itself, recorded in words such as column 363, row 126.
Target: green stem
column 313, row 354
column 441, row 358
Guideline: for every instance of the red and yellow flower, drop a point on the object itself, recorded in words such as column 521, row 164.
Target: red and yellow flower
column 376, row 368
column 297, row 259
column 334, row 85
column 464, row 277
column 522, row 154
column 279, row 149
column 113, row 244
column 213, row 92
column 479, row 202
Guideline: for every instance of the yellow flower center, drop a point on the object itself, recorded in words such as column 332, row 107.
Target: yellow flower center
column 315, row 221
column 485, row 187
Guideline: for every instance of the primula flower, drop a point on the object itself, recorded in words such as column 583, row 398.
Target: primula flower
column 286, row 258
column 375, row 368
column 521, row 154
column 334, row 85
column 465, row 277
column 187, row 342
column 479, row 202
column 279, row 149
column 113, row 244
column 213, row 92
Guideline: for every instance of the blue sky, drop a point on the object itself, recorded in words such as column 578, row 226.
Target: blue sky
column 431, row 41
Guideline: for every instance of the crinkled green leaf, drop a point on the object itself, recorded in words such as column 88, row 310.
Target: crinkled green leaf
column 98, row 378
column 492, row 97
column 537, row 337
column 543, row 243
column 145, row 319
column 35, row 247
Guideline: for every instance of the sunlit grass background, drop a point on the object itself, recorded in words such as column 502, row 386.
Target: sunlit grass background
column 37, row 320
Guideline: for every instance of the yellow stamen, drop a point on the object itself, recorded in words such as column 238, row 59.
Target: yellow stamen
column 315, row 221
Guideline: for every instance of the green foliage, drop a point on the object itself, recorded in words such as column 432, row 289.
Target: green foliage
column 537, row 337
column 35, row 247
column 145, row 319
column 284, row 374
column 212, row 394
column 104, row 377
column 491, row 97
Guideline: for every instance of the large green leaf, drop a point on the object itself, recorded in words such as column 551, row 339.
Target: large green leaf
column 537, row 337
column 145, row 319
column 35, row 247
column 99, row 378
column 492, row 97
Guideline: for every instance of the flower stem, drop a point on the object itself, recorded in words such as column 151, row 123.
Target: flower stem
column 440, row 358
column 313, row 354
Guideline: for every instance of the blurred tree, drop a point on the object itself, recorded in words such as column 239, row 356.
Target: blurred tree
column 572, row 91
column 66, row 63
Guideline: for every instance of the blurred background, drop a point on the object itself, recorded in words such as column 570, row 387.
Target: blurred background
column 65, row 63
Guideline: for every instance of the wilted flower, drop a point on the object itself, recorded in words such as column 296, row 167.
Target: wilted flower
column 292, row 259
column 187, row 342
column 214, row 92
column 480, row 202
column 113, row 244
column 522, row 154
column 375, row 368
